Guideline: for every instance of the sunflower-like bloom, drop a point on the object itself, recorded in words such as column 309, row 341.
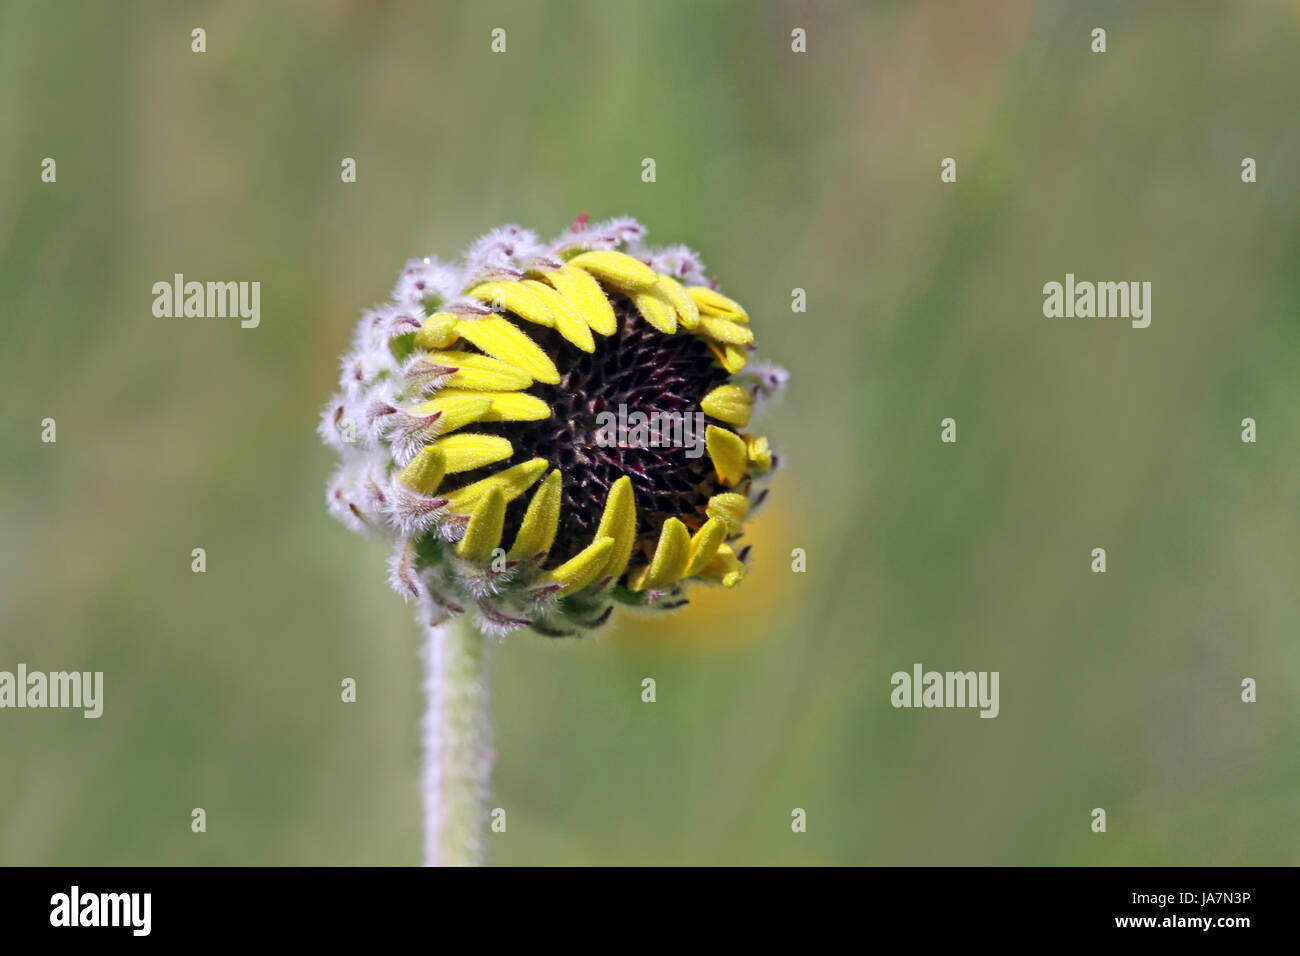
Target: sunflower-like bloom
column 550, row 428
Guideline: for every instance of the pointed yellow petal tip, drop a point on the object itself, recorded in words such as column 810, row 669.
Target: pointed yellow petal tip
column 712, row 302
column 564, row 317
column 483, row 534
column 730, row 357
column 617, row 269
column 513, row 482
column 705, row 545
column 725, row 331
column 729, row 508
column 480, row 372
column 688, row 313
column 618, row 521
column 725, row 567
column 729, row 403
column 467, row 450
column 656, row 310
column 671, row 557
column 586, row 297
column 425, row 472
column 582, row 569
column 728, row 452
column 541, row 520
column 437, row 332
column 516, row 297
column 502, row 339
column 576, row 331
column 760, row 452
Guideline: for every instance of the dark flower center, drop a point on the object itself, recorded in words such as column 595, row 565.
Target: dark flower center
column 595, row 434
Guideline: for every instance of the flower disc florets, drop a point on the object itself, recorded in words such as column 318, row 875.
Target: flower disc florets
column 548, row 429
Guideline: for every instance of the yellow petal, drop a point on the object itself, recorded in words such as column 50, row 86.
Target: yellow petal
column 729, row 403
column 618, row 521
column 576, row 331
column 727, row 449
column 688, row 312
column 583, row 292
column 581, row 569
column 670, row 559
column 760, row 452
column 567, row 321
column 705, row 545
column 502, row 339
column 617, row 269
column 483, row 533
column 514, row 297
column 731, row 357
column 712, row 302
column 438, row 331
column 468, row 450
column 729, row 508
column 455, row 409
column 724, row 567
column 656, row 310
column 481, row 372
column 726, row 331
column 510, row 406
column 513, row 482
column 425, row 472
column 541, row 520
column 490, row 406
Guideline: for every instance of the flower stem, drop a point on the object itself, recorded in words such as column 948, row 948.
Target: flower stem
column 457, row 735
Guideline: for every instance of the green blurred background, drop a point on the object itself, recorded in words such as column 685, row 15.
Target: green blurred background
column 816, row 170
